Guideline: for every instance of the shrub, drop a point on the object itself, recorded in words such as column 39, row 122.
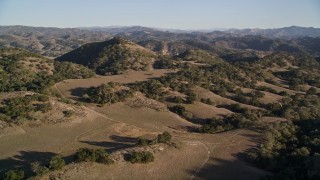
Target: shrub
column 98, row 155
column 105, row 159
column 206, row 101
column 187, row 115
column 178, row 109
column 56, row 163
column 85, row 154
column 181, row 111
column 102, row 157
column 68, row 113
column 14, row 175
column 164, row 137
column 191, row 97
column 312, row 91
column 178, row 99
column 283, row 93
column 142, row 141
column 45, row 107
column 39, row 170
column 141, row 157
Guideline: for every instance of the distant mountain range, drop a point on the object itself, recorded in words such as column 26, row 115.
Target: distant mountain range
column 285, row 32
column 53, row 42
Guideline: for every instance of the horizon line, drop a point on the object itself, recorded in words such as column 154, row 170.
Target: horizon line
column 159, row 28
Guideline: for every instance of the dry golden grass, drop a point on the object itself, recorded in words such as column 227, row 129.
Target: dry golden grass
column 204, row 111
column 145, row 118
column 200, row 155
column 129, row 77
column 115, row 127
column 267, row 98
column 278, row 88
column 216, row 99
column 273, row 119
column 170, row 163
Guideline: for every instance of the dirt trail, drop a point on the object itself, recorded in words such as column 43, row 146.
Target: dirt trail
column 193, row 176
column 231, row 139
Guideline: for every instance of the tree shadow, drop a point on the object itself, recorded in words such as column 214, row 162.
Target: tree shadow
column 191, row 129
column 78, row 92
column 199, row 121
column 253, row 137
column 109, row 146
column 23, row 161
column 123, row 139
column 118, row 143
column 228, row 170
column 238, row 167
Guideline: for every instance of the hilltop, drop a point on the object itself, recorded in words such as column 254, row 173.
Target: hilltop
column 113, row 56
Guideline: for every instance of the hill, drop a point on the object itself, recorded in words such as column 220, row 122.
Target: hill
column 111, row 57
column 47, row 41
column 224, row 96
column 54, row 42
column 285, row 32
column 258, row 43
column 22, row 70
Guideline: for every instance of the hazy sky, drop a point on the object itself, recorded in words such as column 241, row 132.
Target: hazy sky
column 179, row 14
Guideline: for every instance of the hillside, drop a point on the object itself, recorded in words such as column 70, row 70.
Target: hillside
column 54, row 42
column 248, row 106
column 50, row 42
column 285, row 32
column 258, row 43
column 22, row 70
column 111, row 57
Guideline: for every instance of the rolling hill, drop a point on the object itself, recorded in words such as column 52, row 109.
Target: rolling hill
column 54, row 42
column 111, row 57
column 223, row 95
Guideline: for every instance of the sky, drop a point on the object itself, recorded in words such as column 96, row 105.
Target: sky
column 171, row 14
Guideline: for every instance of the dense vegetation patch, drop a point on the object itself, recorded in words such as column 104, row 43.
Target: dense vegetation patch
column 17, row 75
column 140, row 157
column 248, row 119
column 181, row 111
column 21, row 108
column 161, row 138
column 70, row 70
column 14, row 175
column 106, row 93
column 152, row 89
column 291, row 149
column 111, row 57
column 93, row 155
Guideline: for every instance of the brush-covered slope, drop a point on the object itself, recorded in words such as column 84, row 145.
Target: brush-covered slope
column 111, row 57
column 258, row 43
column 19, row 68
column 23, row 70
column 51, row 42
column 200, row 56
